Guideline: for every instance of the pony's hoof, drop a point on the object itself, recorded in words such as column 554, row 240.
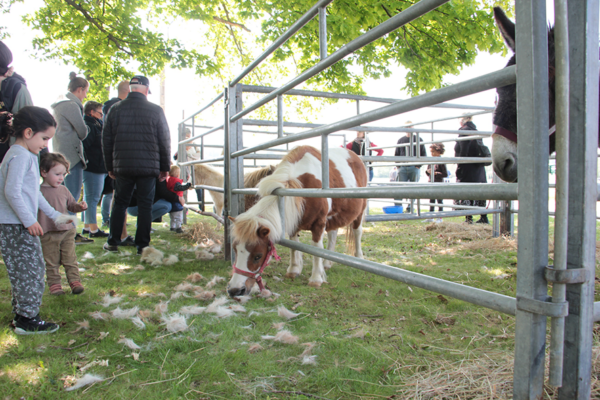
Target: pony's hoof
column 314, row 284
column 291, row 275
column 327, row 265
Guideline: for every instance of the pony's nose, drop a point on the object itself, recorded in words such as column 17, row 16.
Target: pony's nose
column 233, row 292
column 506, row 167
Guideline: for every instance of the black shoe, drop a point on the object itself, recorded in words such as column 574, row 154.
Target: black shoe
column 469, row 219
column 33, row 326
column 99, row 233
column 172, row 229
column 128, row 241
column 483, row 221
column 82, row 240
column 111, row 248
column 157, row 220
column 85, row 231
column 139, row 251
column 178, row 230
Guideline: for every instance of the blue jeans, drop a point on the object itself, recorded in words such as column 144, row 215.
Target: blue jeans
column 93, row 183
column 160, row 208
column 74, row 180
column 409, row 174
column 106, row 202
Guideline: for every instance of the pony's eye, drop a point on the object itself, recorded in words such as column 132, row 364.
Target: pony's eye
column 258, row 257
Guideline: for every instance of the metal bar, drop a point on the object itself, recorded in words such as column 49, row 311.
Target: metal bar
column 404, row 17
column 211, row 188
column 437, row 160
column 433, row 141
column 219, row 97
column 323, row 32
column 494, row 301
column 324, row 162
column 557, row 324
column 329, row 95
column 583, row 158
column 207, row 161
column 500, row 78
column 303, row 20
column 229, row 254
column 595, row 316
column 456, row 206
column 217, row 128
column 438, row 214
column 279, row 116
column 431, row 121
column 532, row 125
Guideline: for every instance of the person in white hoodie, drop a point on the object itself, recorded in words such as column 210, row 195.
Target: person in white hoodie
column 71, row 130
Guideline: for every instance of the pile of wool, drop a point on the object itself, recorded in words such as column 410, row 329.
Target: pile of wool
column 109, row 300
column 87, row 379
column 174, row 322
column 283, row 336
column 152, row 256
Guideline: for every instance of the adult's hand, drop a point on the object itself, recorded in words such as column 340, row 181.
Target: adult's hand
column 83, row 205
column 112, row 175
column 181, row 200
column 35, row 230
column 163, row 175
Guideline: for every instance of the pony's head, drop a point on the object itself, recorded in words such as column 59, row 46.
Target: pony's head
column 504, row 149
column 253, row 249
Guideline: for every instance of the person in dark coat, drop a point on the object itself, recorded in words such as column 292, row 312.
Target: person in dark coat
column 439, row 171
column 409, row 173
column 136, row 145
column 122, row 92
column 95, row 172
column 163, row 201
column 358, row 147
column 474, row 173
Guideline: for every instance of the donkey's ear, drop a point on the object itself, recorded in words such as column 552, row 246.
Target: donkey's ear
column 263, row 232
column 506, row 26
column 231, row 219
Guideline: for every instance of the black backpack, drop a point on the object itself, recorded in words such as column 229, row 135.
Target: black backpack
column 483, row 151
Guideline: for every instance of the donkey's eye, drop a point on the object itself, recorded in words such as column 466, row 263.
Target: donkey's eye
column 258, row 257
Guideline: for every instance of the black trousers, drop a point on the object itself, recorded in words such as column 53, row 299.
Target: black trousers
column 432, row 208
column 124, row 185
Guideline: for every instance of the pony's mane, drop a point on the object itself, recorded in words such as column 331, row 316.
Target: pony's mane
column 252, row 179
column 205, row 175
column 266, row 211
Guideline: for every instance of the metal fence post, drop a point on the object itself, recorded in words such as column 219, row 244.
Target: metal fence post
column 181, row 158
column 532, row 125
column 323, row 32
column 583, row 126
column 236, row 143
column 226, row 170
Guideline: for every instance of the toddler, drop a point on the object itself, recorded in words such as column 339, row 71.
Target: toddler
column 20, row 199
column 175, row 185
column 58, row 241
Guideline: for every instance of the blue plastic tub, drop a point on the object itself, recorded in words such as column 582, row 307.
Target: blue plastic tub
column 393, row 210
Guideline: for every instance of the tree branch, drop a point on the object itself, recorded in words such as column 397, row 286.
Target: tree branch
column 224, row 21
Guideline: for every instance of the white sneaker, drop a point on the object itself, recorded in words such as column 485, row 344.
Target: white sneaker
column 429, row 220
column 439, row 221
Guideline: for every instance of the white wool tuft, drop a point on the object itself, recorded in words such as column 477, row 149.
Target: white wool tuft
column 254, row 348
column 285, row 313
column 172, row 259
column 177, row 295
column 215, row 249
column 184, row 287
column 139, row 268
column 145, row 313
column 137, row 321
column 221, row 301
column 242, row 299
column 174, row 322
column 278, row 325
column 253, row 313
column 99, row 315
column 161, row 307
column 125, row 314
column 204, row 255
column 83, row 324
column 129, row 343
column 85, row 380
column 152, row 256
column 309, row 347
column 265, row 294
column 109, row 300
column 65, row 219
column 87, row 256
column 224, row 312
column 237, row 308
column 358, row 334
column 283, row 336
column 195, row 277
column 192, row 310
column 309, row 360
column 206, row 295
column 213, row 282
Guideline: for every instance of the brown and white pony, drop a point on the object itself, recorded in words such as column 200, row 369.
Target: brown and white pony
column 255, row 231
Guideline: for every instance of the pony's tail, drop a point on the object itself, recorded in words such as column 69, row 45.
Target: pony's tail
column 350, row 240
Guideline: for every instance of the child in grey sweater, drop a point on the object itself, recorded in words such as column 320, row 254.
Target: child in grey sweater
column 20, row 199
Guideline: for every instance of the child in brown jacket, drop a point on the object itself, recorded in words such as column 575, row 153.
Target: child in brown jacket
column 58, row 241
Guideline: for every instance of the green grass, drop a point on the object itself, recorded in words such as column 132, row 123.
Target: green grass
column 405, row 329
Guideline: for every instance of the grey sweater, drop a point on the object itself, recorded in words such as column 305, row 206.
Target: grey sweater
column 71, row 129
column 20, row 195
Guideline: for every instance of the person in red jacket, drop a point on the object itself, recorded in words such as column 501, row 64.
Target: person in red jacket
column 358, row 146
column 175, row 185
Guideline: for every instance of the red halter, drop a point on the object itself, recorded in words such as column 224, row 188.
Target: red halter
column 510, row 135
column 256, row 275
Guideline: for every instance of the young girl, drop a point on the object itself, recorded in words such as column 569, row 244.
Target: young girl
column 175, row 185
column 439, row 173
column 20, row 199
column 58, row 241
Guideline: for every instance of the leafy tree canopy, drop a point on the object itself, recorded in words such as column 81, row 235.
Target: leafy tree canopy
column 102, row 37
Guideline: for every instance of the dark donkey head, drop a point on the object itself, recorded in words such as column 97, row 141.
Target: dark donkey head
column 504, row 149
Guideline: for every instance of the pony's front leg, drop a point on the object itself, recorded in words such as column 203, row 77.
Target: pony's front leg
column 318, row 272
column 295, row 267
column 357, row 240
column 331, row 240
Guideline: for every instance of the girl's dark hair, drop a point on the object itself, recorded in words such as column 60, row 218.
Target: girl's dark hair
column 439, row 147
column 90, row 106
column 6, row 58
column 36, row 118
column 76, row 82
column 49, row 160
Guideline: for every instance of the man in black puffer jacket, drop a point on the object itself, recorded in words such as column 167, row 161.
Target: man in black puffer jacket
column 136, row 145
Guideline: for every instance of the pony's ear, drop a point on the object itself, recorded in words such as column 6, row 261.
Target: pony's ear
column 506, row 26
column 231, row 219
column 263, row 232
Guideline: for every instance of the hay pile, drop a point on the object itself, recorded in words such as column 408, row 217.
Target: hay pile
column 489, row 377
column 201, row 232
